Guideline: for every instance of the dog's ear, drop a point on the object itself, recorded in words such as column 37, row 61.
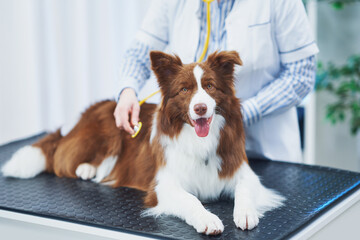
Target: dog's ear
column 224, row 62
column 165, row 67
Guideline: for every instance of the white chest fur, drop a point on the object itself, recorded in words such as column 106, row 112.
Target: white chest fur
column 192, row 162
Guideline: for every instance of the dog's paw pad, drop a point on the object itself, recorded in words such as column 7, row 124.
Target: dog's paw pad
column 208, row 224
column 85, row 171
column 246, row 218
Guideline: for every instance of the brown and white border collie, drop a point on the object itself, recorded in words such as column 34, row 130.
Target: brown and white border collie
column 191, row 147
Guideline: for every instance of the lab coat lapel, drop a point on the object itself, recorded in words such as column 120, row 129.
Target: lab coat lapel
column 186, row 31
column 237, row 28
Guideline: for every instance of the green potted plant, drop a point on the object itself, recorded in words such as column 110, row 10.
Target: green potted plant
column 339, row 83
column 343, row 82
column 337, row 4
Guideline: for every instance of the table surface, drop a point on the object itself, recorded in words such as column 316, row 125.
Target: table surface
column 311, row 191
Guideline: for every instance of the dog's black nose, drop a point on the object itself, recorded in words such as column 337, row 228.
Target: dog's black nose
column 200, row 109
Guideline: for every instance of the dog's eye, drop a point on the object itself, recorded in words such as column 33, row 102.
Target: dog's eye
column 209, row 86
column 185, row 90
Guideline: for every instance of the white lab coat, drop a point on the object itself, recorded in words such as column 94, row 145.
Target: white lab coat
column 264, row 32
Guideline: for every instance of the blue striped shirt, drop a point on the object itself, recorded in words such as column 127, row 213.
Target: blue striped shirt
column 295, row 80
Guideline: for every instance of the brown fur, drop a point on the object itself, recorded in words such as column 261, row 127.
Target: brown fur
column 48, row 145
column 95, row 137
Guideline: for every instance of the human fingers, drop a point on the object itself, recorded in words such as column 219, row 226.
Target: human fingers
column 135, row 113
column 117, row 116
column 125, row 124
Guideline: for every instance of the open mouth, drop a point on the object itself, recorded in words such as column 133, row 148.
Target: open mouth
column 201, row 125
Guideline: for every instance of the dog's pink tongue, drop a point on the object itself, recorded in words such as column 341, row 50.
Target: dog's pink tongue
column 202, row 127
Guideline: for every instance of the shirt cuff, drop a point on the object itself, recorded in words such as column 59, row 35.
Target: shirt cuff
column 250, row 111
column 128, row 83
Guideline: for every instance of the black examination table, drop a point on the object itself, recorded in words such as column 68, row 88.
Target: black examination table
column 316, row 197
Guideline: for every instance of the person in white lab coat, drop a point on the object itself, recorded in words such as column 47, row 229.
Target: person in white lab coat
column 274, row 40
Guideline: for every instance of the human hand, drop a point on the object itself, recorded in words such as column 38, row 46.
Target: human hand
column 127, row 105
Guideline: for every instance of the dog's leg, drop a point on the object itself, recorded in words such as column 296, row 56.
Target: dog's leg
column 105, row 168
column 252, row 199
column 245, row 214
column 174, row 200
column 85, row 171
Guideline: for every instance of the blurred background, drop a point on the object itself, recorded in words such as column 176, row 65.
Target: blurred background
column 59, row 56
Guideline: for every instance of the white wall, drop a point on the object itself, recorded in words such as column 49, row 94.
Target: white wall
column 338, row 35
column 57, row 57
column 20, row 110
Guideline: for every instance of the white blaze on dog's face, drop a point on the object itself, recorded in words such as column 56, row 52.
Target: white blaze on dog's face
column 202, row 105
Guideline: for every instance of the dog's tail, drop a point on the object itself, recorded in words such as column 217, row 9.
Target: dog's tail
column 31, row 160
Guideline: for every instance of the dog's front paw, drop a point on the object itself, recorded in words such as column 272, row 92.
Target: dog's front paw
column 85, row 171
column 246, row 218
column 207, row 223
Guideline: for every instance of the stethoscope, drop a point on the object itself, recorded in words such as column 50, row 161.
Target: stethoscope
column 206, row 45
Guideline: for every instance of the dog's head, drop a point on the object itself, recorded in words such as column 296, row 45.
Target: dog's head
column 193, row 93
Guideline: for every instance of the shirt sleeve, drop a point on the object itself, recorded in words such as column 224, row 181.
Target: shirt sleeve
column 153, row 35
column 295, row 81
column 293, row 32
column 135, row 67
